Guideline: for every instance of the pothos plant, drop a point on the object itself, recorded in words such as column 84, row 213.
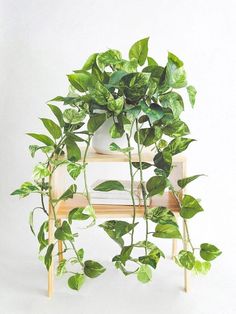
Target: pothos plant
column 144, row 100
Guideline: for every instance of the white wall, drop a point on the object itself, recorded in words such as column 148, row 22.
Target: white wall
column 42, row 41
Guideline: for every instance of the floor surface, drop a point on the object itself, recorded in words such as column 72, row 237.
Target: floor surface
column 23, row 283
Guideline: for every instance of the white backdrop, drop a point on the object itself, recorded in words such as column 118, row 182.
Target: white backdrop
column 41, row 41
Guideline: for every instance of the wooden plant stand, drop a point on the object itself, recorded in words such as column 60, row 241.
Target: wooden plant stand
column 114, row 211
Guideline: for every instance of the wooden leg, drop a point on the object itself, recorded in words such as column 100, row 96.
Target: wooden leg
column 175, row 241
column 186, row 272
column 60, row 247
column 174, row 248
column 51, row 269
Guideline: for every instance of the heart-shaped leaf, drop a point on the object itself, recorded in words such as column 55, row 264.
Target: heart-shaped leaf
column 189, row 207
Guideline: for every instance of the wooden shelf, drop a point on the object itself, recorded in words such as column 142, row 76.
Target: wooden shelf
column 147, row 156
column 116, row 157
column 79, row 200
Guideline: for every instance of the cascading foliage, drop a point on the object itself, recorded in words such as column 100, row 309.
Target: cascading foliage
column 144, row 101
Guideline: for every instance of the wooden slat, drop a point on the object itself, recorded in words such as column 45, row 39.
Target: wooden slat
column 115, row 210
column 116, row 157
column 147, row 156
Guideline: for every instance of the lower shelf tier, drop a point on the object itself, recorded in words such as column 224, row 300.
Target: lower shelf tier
column 167, row 200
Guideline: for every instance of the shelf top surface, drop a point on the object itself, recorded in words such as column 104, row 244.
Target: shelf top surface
column 147, row 156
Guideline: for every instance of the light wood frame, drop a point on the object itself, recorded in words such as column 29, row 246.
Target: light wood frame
column 108, row 211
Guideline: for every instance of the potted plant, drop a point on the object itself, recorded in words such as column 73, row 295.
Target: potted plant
column 143, row 103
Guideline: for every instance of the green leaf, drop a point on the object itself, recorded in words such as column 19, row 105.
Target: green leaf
column 161, row 215
column 154, row 111
column 189, row 207
column 163, row 160
column 174, row 59
column 41, row 236
column 119, row 228
column 147, row 136
column 48, row 256
column 173, row 101
column 40, row 171
column 64, row 232
column 116, row 105
column 145, row 165
column 149, row 245
column 176, row 75
column 109, row 186
column 125, row 253
column 156, row 185
column 80, row 253
column 144, row 274
column 162, row 144
column 116, row 77
column 74, row 137
column 201, row 268
column 90, row 211
column 133, row 112
column 120, row 266
column 96, row 121
column 70, row 100
column 77, row 214
column 47, row 149
column 112, row 235
column 98, row 75
column 144, row 118
column 176, row 128
column 33, row 149
column 81, row 80
column 167, row 231
column 179, row 144
column 52, row 128
column 69, row 193
column 101, row 94
column 72, row 116
column 73, row 151
column 127, row 66
column 186, row 259
column 90, row 62
column 93, row 269
column 61, row 268
column 109, row 57
column 139, row 51
column 116, row 148
column 25, row 189
column 75, row 282
column 151, row 259
column 116, row 130
column 209, row 251
column 183, row 182
column 58, row 114
column 191, row 94
column 31, row 221
column 42, row 138
column 135, row 85
column 74, row 170
column 151, row 61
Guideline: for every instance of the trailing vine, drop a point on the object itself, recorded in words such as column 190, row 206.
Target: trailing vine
column 144, row 101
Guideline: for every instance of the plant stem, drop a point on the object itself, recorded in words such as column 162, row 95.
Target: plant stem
column 85, row 171
column 50, row 198
column 144, row 194
column 77, row 255
column 43, row 205
column 184, row 220
column 187, row 233
column 131, row 185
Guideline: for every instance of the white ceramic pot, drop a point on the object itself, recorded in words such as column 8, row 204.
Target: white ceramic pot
column 102, row 139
